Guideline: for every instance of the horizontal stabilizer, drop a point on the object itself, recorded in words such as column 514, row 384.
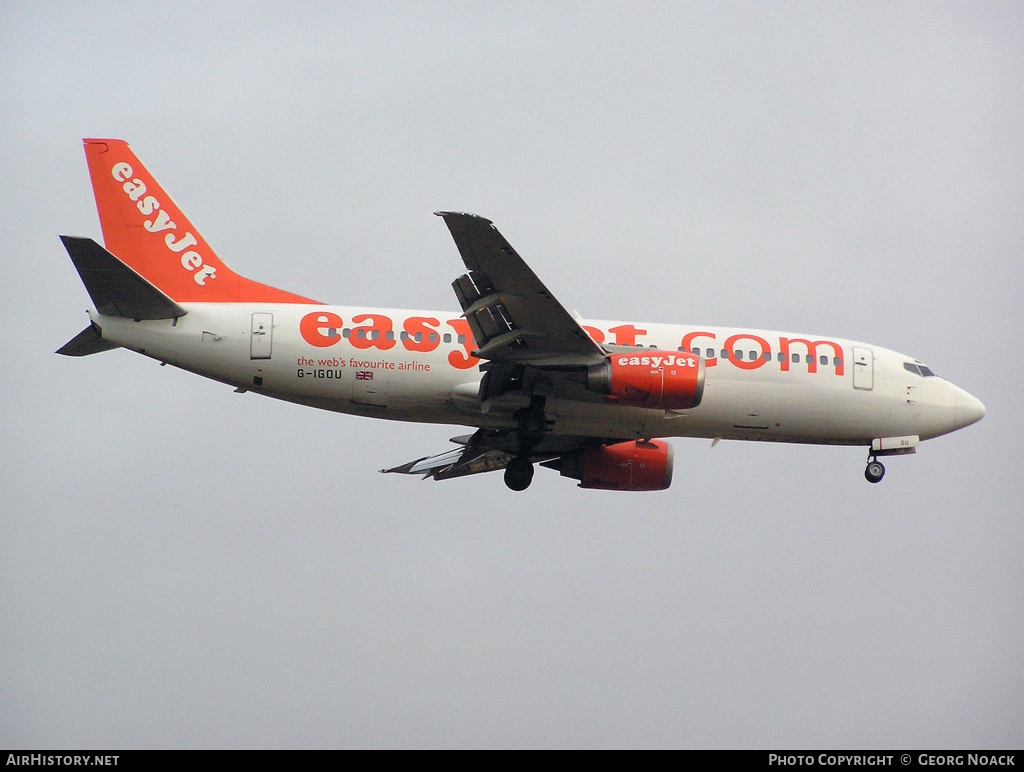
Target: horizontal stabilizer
column 88, row 341
column 115, row 288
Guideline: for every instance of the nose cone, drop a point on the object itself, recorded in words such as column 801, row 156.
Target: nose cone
column 968, row 409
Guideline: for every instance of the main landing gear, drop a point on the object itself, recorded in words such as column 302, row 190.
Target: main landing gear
column 519, row 473
column 874, row 471
column 532, row 425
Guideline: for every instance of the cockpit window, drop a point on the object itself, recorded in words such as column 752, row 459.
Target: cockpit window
column 917, row 369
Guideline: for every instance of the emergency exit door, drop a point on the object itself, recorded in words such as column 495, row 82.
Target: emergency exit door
column 863, row 369
column 262, row 340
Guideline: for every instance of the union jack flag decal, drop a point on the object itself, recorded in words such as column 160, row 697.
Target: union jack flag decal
column 364, row 375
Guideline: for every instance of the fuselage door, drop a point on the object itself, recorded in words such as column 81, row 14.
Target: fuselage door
column 262, row 337
column 863, row 368
column 370, row 387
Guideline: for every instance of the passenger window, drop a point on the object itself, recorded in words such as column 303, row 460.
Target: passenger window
column 418, row 337
column 447, row 337
column 433, row 337
column 823, row 359
column 781, row 357
column 808, row 358
column 361, row 334
column 710, row 353
column 753, row 355
column 795, row 358
column 346, row 332
column 837, row 361
column 390, row 335
column 332, row 331
column 462, row 339
column 725, row 354
column 404, row 335
column 767, row 356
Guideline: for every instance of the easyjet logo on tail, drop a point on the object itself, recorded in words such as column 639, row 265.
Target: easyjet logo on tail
column 160, row 222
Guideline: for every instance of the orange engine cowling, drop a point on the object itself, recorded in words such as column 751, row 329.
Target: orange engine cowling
column 659, row 380
column 626, row 466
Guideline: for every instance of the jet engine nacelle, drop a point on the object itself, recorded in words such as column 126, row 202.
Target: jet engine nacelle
column 659, row 380
column 627, row 466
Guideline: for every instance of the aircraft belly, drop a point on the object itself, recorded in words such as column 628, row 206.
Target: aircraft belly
column 600, row 419
column 800, row 408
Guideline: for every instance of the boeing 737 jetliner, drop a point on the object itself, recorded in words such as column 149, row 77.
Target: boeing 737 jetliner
column 589, row 399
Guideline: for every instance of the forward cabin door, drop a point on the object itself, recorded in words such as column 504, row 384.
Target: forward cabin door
column 863, row 369
column 262, row 339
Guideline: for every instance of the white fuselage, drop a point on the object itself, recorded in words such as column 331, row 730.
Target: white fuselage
column 414, row 366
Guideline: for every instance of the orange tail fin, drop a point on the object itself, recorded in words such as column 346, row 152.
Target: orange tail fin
column 144, row 228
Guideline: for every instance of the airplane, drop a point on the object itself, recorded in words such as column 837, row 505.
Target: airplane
column 593, row 400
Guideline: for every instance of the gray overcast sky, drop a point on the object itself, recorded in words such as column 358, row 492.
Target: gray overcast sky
column 184, row 566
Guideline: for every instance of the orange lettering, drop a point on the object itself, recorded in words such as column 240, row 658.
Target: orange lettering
column 373, row 335
column 812, row 351
column 456, row 358
column 687, row 343
column 594, row 333
column 751, row 365
column 311, row 325
column 418, row 325
column 625, row 334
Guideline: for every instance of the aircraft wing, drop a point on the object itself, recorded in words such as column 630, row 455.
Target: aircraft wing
column 516, row 322
column 513, row 316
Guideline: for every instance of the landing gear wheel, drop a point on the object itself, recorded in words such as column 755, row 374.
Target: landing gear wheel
column 519, row 473
column 874, row 472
